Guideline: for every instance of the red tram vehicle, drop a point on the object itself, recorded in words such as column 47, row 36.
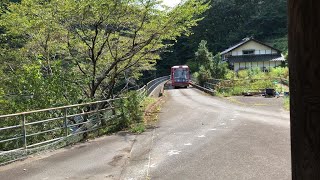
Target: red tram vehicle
column 180, row 76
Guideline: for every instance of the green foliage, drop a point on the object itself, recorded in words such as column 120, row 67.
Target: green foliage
column 243, row 74
column 209, row 66
column 203, row 75
column 256, row 73
column 69, row 50
column 138, row 128
column 252, row 80
column 286, row 103
column 29, row 89
column 147, row 101
column 193, row 65
column 218, row 68
column 226, row 23
column 280, row 43
column 230, row 74
column 131, row 111
column 203, row 56
column 133, row 106
column 282, row 72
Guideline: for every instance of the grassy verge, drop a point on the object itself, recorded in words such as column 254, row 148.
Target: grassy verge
column 150, row 108
column 152, row 111
column 286, row 103
column 141, row 126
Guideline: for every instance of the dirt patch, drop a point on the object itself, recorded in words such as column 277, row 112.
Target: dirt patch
column 150, row 115
column 259, row 102
column 116, row 160
column 127, row 150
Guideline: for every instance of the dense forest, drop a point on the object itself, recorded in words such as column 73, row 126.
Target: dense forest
column 61, row 52
column 54, row 53
column 226, row 23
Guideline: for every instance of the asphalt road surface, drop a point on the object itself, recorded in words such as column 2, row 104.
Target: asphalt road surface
column 205, row 137
column 197, row 137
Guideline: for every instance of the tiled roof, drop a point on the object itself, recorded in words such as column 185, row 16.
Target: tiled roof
column 244, row 41
column 256, row 58
column 235, row 46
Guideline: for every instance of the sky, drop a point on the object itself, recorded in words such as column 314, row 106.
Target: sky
column 171, row 3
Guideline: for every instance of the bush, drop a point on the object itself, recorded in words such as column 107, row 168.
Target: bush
column 243, row 74
column 279, row 72
column 138, row 128
column 287, row 103
column 230, row 75
column 256, row 73
column 203, row 75
column 238, row 90
column 130, row 110
column 261, row 84
column 193, row 65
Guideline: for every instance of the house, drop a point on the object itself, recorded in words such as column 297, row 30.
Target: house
column 251, row 53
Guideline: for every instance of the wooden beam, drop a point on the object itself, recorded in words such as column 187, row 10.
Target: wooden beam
column 304, row 63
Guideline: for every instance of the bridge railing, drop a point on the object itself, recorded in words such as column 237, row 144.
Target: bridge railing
column 28, row 132
column 150, row 86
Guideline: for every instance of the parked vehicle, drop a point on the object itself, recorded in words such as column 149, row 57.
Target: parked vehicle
column 180, row 76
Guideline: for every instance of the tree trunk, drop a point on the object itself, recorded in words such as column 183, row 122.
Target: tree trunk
column 304, row 63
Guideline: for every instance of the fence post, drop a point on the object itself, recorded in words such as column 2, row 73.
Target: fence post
column 24, row 131
column 65, row 121
column 98, row 117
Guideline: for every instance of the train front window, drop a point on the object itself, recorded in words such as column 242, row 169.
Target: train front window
column 180, row 73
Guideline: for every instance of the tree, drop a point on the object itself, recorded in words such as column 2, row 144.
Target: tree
column 93, row 44
column 226, row 23
column 203, row 56
column 218, row 67
column 209, row 66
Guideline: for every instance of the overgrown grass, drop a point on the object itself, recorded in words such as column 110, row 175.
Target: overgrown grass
column 286, row 103
column 152, row 109
column 140, row 112
column 138, row 128
column 252, row 80
column 147, row 101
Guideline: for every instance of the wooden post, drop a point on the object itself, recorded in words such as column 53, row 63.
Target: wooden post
column 304, row 63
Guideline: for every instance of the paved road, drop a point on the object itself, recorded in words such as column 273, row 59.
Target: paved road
column 204, row 137
column 197, row 137
column 102, row 158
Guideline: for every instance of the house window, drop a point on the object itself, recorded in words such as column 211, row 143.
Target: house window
column 248, row 52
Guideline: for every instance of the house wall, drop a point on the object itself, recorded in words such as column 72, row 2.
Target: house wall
column 261, row 65
column 259, row 49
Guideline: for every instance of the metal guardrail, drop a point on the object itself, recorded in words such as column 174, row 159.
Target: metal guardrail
column 22, row 132
column 150, row 86
column 27, row 130
column 204, row 89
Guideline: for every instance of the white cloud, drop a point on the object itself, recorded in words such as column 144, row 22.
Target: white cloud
column 171, row 3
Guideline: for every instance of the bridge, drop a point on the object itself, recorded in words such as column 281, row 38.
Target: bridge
column 198, row 136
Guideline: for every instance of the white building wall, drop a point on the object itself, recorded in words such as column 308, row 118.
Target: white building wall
column 261, row 64
column 236, row 66
column 258, row 49
column 252, row 45
column 247, row 65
